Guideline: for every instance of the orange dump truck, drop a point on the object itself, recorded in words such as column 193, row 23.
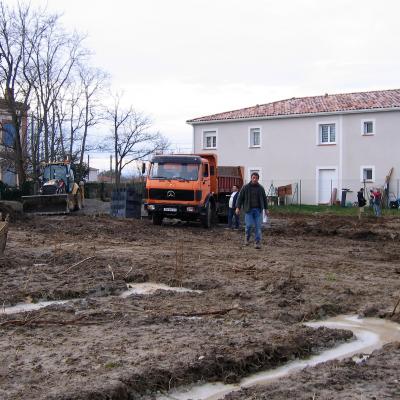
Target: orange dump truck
column 189, row 187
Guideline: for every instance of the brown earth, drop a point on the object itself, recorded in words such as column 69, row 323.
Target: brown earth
column 247, row 318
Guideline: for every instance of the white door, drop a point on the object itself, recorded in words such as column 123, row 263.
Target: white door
column 327, row 183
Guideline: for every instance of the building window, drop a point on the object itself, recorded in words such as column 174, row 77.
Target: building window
column 327, row 134
column 9, row 133
column 255, row 137
column 209, row 139
column 368, row 127
column 367, row 174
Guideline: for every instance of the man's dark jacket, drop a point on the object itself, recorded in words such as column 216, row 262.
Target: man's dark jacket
column 243, row 200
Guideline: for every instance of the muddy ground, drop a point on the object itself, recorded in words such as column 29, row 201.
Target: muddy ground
column 247, row 317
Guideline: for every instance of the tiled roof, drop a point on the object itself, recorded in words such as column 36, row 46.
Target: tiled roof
column 346, row 102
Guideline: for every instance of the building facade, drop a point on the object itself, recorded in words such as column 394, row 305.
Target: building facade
column 7, row 174
column 319, row 145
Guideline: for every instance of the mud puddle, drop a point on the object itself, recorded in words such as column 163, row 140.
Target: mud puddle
column 147, row 288
column 25, row 307
column 370, row 334
column 151, row 287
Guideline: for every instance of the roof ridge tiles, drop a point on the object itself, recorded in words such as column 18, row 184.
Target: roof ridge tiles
column 327, row 103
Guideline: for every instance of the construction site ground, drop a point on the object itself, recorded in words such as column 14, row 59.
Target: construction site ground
column 245, row 313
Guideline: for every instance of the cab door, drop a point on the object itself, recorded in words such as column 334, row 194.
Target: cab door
column 205, row 181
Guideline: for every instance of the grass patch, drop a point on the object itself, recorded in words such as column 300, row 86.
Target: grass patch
column 112, row 365
column 331, row 277
column 329, row 210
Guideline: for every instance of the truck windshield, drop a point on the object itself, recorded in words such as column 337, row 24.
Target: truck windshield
column 187, row 172
column 55, row 172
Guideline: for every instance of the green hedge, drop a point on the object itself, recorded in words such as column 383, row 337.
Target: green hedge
column 15, row 194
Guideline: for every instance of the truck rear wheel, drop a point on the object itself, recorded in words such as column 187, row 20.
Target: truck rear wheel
column 157, row 219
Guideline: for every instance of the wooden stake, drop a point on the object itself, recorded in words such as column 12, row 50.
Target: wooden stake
column 75, row 265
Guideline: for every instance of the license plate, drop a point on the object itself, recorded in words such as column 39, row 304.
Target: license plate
column 170, row 209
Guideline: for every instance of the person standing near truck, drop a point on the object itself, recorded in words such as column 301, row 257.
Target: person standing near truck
column 233, row 219
column 253, row 200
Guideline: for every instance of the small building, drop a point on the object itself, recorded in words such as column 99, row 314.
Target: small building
column 319, row 145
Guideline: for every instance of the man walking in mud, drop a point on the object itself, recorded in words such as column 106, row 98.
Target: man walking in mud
column 253, row 200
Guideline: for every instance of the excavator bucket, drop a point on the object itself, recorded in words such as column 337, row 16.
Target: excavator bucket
column 46, row 204
column 3, row 235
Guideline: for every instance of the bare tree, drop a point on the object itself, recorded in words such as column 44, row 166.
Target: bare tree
column 54, row 56
column 20, row 30
column 70, row 118
column 131, row 137
column 93, row 82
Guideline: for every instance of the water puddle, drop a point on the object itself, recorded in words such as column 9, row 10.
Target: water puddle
column 24, row 307
column 151, row 287
column 370, row 334
column 146, row 288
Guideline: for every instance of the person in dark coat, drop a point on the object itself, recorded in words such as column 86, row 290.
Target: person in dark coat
column 253, row 200
column 233, row 219
column 361, row 202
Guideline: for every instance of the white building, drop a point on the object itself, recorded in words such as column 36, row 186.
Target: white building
column 320, row 144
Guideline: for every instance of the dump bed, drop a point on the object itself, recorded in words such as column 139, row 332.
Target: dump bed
column 229, row 176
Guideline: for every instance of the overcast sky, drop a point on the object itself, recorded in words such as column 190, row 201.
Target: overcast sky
column 180, row 59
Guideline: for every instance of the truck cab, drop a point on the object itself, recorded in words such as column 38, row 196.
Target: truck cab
column 183, row 187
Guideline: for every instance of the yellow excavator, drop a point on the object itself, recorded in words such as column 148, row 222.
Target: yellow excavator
column 58, row 192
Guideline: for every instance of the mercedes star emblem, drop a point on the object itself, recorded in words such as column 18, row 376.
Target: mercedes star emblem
column 170, row 194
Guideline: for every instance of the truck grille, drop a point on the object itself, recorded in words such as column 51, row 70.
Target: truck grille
column 168, row 194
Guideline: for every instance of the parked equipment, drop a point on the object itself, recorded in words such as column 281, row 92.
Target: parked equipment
column 3, row 234
column 58, row 192
column 189, row 187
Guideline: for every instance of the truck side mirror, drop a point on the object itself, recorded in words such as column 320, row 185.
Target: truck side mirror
column 143, row 168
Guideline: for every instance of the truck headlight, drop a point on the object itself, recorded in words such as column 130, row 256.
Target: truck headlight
column 190, row 209
column 151, row 207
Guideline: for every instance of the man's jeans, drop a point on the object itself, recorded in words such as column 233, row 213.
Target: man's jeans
column 377, row 209
column 233, row 217
column 253, row 217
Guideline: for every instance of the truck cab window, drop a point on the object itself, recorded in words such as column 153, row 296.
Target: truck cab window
column 178, row 171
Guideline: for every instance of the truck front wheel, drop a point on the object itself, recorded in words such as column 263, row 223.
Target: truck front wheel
column 206, row 220
column 157, row 219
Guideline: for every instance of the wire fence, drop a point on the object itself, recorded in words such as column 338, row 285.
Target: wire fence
column 328, row 192
column 290, row 191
